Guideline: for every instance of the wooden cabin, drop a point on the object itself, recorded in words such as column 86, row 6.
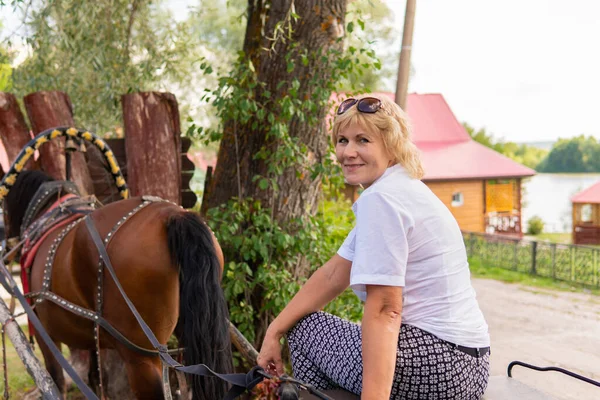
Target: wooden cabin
column 481, row 187
column 586, row 216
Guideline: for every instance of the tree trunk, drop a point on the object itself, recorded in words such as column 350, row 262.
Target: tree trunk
column 314, row 33
column 320, row 24
column 153, row 145
column 13, row 128
column 50, row 110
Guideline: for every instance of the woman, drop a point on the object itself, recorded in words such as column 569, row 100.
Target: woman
column 422, row 335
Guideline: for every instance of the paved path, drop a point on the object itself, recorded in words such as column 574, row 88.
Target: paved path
column 544, row 328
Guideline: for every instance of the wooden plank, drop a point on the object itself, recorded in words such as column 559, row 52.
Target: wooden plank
column 186, row 163
column 186, row 177
column 186, row 143
column 50, row 110
column 34, row 367
column 14, row 132
column 105, row 188
column 188, row 199
column 118, row 148
column 152, row 143
column 470, row 215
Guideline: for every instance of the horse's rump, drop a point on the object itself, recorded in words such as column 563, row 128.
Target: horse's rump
column 137, row 245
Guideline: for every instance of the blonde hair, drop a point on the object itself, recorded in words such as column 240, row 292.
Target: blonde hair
column 392, row 124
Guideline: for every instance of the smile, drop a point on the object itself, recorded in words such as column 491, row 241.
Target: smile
column 352, row 167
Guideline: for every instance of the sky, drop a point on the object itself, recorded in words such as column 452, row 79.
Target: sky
column 526, row 70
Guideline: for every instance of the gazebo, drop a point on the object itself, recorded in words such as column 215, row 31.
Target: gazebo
column 586, row 215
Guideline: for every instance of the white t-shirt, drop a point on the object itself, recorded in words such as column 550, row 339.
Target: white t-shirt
column 405, row 236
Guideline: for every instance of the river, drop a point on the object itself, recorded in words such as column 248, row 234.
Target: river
column 549, row 197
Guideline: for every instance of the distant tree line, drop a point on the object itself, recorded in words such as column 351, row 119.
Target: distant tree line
column 577, row 154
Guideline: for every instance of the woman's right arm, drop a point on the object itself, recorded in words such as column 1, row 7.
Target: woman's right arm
column 323, row 286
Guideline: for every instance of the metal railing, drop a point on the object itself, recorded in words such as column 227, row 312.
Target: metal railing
column 570, row 263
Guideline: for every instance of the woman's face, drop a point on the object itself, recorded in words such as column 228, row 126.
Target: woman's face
column 362, row 155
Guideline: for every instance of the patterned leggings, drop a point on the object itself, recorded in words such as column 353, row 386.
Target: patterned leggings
column 326, row 352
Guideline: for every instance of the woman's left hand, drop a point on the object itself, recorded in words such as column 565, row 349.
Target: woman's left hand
column 269, row 357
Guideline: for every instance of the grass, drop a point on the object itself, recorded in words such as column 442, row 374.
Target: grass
column 481, row 269
column 563, row 238
column 19, row 381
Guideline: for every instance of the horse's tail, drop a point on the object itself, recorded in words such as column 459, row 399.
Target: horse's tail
column 203, row 327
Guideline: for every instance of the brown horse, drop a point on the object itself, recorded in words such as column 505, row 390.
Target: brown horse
column 170, row 266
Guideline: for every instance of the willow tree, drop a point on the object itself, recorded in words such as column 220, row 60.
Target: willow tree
column 96, row 51
column 274, row 156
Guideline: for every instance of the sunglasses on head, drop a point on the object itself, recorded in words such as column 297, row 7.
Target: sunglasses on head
column 367, row 105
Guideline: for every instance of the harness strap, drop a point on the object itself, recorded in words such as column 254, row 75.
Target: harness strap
column 5, row 278
column 96, row 318
column 240, row 382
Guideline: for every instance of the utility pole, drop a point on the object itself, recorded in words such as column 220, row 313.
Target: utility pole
column 404, row 64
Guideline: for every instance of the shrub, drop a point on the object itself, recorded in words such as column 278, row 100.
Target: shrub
column 535, row 225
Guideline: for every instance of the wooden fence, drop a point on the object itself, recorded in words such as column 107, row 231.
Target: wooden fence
column 563, row 262
column 152, row 155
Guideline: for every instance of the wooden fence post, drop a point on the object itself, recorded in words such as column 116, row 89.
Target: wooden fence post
column 13, row 128
column 151, row 121
column 188, row 196
column 49, row 110
column 207, row 179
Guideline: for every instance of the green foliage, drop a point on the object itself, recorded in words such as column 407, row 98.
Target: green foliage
column 578, row 154
column 96, row 51
column 527, row 155
column 5, row 68
column 5, row 77
column 371, row 23
column 248, row 230
column 535, row 225
column 267, row 258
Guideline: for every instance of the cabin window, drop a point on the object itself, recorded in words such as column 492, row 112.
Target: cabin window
column 457, row 199
column 586, row 213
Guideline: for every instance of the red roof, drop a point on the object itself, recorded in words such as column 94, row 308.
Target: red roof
column 447, row 150
column 589, row 195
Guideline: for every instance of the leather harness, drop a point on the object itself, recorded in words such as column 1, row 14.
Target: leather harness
column 240, row 383
column 75, row 209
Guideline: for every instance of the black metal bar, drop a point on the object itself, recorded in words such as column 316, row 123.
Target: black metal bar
column 533, row 257
column 557, row 369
